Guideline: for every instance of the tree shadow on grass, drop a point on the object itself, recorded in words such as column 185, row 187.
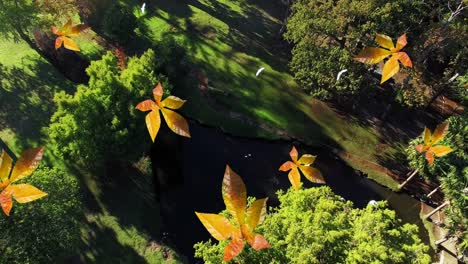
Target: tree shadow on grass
column 103, row 247
column 26, row 95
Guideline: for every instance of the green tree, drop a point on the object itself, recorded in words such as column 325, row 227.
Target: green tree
column 99, row 123
column 48, row 230
column 451, row 171
column 316, row 226
column 328, row 34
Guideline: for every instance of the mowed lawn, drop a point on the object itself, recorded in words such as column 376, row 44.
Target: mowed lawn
column 229, row 41
column 113, row 230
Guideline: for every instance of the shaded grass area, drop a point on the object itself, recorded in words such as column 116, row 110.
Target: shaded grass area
column 229, row 41
column 120, row 216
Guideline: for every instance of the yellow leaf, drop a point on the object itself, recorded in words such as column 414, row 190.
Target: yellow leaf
column 404, row 59
column 307, row 159
column 25, row 193
column 68, row 43
column 256, row 213
column 58, row 42
column 217, row 225
column 391, row 67
column 401, row 43
column 287, row 166
column 293, row 154
column 295, row 178
column 176, row 122
column 427, row 136
column 173, row 102
column 372, row 55
column 256, row 241
column 234, row 195
column 6, row 202
column 440, row 132
column 147, row 105
column 66, row 28
column 384, row 41
column 153, row 123
column 233, row 248
column 440, row 150
column 5, row 165
column 27, row 163
column 158, row 92
column 76, row 30
column 430, row 157
column 312, row 174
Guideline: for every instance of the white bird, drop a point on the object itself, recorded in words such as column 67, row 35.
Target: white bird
column 373, row 202
column 453, row 78
column 339, row 74
column 143, row 8
column 259, row 71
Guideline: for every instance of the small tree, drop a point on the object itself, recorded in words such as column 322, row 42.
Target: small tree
column 47, row 231
column 99, row 122
column 316, row 226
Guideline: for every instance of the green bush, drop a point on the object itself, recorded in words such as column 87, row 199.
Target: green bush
column 99, row 122
column 316, row 226
column 46, row 230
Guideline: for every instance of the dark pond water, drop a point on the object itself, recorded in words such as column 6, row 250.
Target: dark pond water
column 190, row 172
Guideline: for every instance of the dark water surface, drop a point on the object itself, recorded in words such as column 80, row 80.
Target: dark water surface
column 190, row 173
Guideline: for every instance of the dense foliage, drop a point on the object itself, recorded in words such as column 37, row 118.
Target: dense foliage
column 99, row 122
column 451, row 170
column 327, row 34
column 46, row 230
column 316, row 226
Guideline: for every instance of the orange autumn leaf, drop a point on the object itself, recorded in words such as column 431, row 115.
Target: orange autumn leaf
column 245, row 219
column 303, row 165
column 430, row 139
column 25, row 166
column 65, row 33
column 376, row 55
column 174, row 121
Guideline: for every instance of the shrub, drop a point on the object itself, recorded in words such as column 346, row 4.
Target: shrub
column 99, row 122
column 316, row 226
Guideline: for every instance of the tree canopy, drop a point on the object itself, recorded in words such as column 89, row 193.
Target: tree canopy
column 316, row 226
column 99, row 122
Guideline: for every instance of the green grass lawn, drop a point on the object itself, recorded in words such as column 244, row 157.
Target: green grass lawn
column 230, row 41
column 113, row 230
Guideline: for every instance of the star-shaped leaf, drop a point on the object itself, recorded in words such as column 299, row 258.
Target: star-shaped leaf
column 174, row 121
column 64, row 34
column 303, row 165
column 235, row 199
column 25, row 166
column 376, row 55
column 430, row 140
